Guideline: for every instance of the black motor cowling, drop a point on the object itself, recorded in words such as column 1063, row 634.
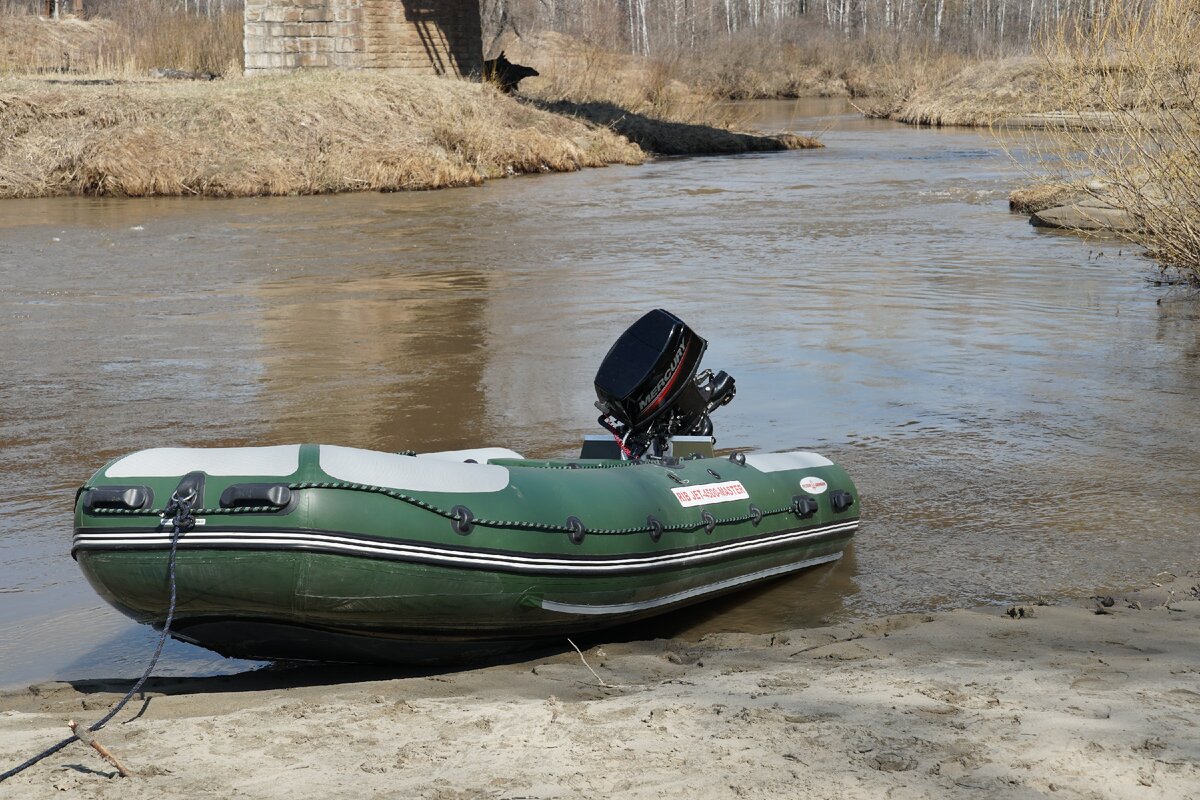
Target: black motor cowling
column 648, row 388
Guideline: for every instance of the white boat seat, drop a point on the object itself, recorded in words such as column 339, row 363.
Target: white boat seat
column 480, row 455
column 426, row 474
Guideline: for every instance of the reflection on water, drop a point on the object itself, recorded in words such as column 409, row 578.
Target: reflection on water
column 814, row 597
column 1014, row 406
column 392, row 356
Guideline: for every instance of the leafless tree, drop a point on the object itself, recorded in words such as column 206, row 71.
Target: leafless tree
column 977, row 27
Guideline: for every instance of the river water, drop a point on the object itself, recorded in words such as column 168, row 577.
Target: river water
column 1017, row 406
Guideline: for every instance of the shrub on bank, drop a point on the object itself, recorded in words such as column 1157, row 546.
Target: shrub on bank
column 1137, row 71
column 121, row 38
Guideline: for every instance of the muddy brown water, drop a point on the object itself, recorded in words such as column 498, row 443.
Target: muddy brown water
column 1017, row 408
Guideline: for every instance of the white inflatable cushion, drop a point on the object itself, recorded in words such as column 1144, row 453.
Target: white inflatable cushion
column 412, row 474
column 480, row 455
column 164, row 462
column 777, row 462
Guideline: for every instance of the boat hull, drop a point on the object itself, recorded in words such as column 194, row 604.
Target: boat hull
column 352, row 571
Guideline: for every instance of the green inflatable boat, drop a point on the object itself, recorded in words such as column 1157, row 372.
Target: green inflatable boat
column 326, row 552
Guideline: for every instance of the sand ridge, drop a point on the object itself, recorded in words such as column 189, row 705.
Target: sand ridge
column 1050, row 701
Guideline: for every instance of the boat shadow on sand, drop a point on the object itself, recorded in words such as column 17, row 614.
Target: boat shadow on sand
column 815, row 597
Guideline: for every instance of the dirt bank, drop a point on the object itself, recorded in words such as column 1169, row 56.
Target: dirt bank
column 1052, row 699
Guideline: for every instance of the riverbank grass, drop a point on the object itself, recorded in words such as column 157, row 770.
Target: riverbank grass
column 307, row 133
column 976, row 94
column 85, row 118
column 645, row 100
column 135, row 37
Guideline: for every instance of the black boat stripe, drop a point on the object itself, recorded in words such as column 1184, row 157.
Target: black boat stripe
column 352, row 546
column 389, row 541
column 199, row 536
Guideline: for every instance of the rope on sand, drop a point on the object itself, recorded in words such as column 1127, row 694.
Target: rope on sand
column 182, row 520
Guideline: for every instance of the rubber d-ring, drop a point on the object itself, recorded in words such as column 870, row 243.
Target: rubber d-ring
column 656, row 527
column 804, row 506
column 738, row 458
column 756, row 515
column 710, row 522
column 462, row 520
column 714, row 474
column 577, row 531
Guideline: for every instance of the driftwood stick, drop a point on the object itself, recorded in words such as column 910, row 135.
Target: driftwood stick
column 86, row 737
column 586, row 664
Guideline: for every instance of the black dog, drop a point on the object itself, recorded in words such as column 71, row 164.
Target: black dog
column 505, row 74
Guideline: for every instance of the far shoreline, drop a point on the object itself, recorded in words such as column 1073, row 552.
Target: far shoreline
column 317, row 133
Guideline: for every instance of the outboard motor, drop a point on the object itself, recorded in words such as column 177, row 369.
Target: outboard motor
column 649, row 389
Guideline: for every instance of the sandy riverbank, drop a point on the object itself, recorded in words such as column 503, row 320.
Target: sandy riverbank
column 974, row 703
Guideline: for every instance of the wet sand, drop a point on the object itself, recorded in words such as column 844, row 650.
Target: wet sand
column 1054, row 700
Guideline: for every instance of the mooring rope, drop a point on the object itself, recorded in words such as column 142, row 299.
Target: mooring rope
column 182, row 521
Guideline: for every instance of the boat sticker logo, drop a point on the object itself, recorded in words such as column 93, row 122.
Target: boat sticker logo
column 813, row 485
column 710, row 493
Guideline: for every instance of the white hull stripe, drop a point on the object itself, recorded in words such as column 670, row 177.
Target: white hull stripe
column 679, row 597
column 347, row 545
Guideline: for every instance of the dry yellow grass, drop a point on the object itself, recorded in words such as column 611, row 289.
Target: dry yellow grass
column 99, row 126
column 581, row 73
column 1040, row 196
column 147, row 34
column 809, row 62
column 785, row 62
column 1044, row 91
column 639, row 98
column 980, row 94
column 1139, row 70
column 296, row 134
column 30, row 45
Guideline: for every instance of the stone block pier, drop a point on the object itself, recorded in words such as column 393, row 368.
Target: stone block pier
column 425, row 37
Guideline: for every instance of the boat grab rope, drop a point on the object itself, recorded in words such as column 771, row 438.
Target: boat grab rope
column 183, row 519
column 456, row 515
